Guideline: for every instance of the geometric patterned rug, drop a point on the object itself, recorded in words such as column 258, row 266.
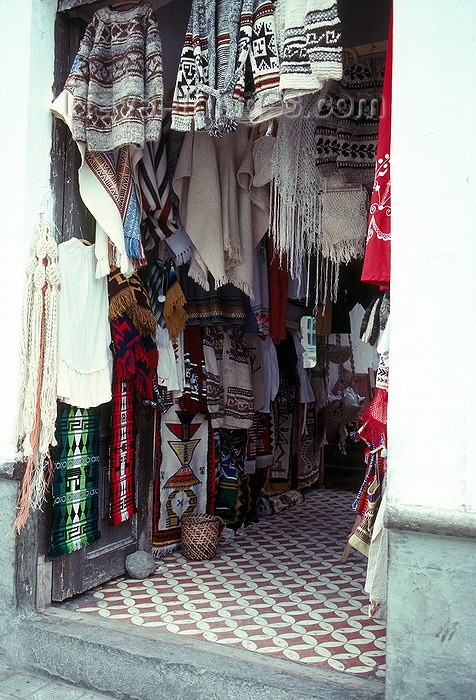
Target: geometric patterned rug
column 276, row 588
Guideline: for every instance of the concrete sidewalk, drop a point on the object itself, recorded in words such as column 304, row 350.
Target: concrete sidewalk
column 18, row 684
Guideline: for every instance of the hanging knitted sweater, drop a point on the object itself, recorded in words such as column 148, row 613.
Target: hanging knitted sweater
column 229, row 68
column 119, row 89
column 309, row 45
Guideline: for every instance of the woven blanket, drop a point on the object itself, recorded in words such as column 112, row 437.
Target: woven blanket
column 75, row 479
column 119, row 89
column 184, row 479
column 233, row 498
column 260, row 445
column 122, row 453
column 129, row 296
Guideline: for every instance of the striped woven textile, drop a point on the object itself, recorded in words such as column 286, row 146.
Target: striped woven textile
column 122, row 453
column 75, row 479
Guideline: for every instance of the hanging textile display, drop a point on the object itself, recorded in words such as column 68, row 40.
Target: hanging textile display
column 122, row 453
column 230, row 399
column 348, row 126
column 108, row 103
column 376, row 269
column 84, row 356
column 224, row 215
column 294, row 223
column 35, row 427
column 233, row 498
column 175, row 316
column 311, row 439
column 194, row 395
column 129, row 296
column 260, row 445
column 75, row 479
column 184, row 480
column 136, row 357
column 119, row 89
column 229, row 68
column 309, row 45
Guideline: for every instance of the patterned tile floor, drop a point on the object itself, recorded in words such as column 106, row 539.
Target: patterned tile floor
column 276, row 588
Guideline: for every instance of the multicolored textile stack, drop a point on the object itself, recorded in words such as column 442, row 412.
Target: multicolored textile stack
column 75, row 479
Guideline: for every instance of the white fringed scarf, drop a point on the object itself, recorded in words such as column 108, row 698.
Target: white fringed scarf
column 35, row 430
column 294, row 216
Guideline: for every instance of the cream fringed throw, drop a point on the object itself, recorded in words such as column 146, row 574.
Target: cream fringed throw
column 223, row 213
column 344, row 215
column 294, row 221
column 35, row 429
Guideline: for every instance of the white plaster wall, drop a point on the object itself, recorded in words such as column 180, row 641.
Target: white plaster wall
column 26, row 75
column 432, row 390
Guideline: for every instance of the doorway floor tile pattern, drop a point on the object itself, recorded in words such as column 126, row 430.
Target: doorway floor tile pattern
column 276, row 588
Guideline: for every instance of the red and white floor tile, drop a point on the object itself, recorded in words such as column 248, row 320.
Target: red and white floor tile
column 276, row 588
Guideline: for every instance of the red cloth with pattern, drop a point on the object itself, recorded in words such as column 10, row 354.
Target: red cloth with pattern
column 376, row 268
column 122, row 452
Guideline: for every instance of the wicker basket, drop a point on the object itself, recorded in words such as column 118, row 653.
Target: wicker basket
column 200, row 535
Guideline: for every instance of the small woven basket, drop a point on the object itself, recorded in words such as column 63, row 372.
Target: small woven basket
column 200, row 535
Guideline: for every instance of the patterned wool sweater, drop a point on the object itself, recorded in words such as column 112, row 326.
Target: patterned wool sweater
column 118, row 88
column 229, row 68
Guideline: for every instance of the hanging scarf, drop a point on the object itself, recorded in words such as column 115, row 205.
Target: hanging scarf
column 294, row 222
column 129, row 296
column 75, row 479
column 175, row 316
column 35, row 429
column 376, row 269
column 233, row 498
column 122, row 452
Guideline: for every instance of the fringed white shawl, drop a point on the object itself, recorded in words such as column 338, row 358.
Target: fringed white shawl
column 35, row 429
column 222, row 212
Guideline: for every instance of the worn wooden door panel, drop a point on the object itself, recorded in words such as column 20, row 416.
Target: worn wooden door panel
column 103, row 560
column 89, row 567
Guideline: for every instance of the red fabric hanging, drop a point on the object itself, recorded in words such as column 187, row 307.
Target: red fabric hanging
column 376, row 268
column 278, row 294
